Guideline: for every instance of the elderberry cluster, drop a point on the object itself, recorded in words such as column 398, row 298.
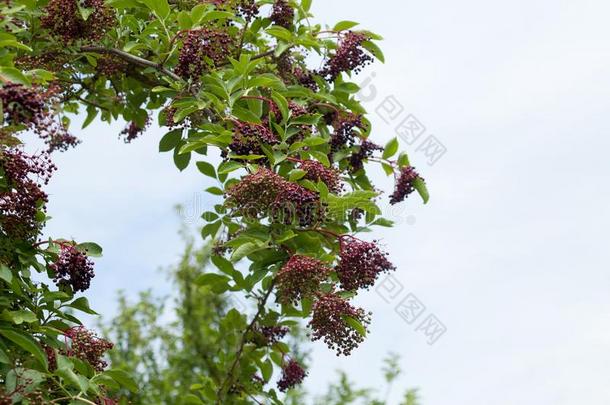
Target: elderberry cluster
column 293, row 374
column 404, row 185
column 316, row 171
column 300, row 278
column 350, row 56
column 248, row 138
column 133, row 131
column 28, row 107
column 86, row 346
column 22, row 196
column 266, row 193
column 63, row 18
column 365, row 151
column 329, row 323
column 282, row 14
column 344, row 125
column 293, row 73
column 360, row 263
column 72, row 268
column 269, row 335
column 202, row 48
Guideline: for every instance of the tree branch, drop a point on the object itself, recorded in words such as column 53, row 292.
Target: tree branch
column 261, row 307
column 136, row 60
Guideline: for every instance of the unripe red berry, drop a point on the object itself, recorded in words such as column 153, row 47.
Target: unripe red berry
column 329, row 323
column 316, row 171
column 300, row 278
column 360, row 264
column 86, row 346
column 63, row 18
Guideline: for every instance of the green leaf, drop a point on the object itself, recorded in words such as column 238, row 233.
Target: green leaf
column 420, row 185
column 26, row 343
column 344, row 25
column 266, row 369
column 123, row 378
column 374, row 49
column 296, row 174
column 391, row 148
column 82, row 304
column 281, row 102
column 170, row 141
column 279, row 32
column 90, row 249
column 356, row 325
column 6, row 274
column 243, row 251
column 10, row 74
column 228, row 167
column 207, row 169
column 181, row 160
column 20, row 316
column 214, row 191
column 159, row 7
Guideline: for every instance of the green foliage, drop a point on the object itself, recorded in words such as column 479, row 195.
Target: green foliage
column 227, row 75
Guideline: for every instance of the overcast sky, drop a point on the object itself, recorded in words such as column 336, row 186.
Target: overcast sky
column 512, row 253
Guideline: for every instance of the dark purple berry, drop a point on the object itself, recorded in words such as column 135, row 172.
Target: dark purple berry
column 404, row 185
column 360, row 263
column 73, row 268
column 293, row 374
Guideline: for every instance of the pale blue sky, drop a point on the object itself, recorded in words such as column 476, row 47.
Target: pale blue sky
column 512, row 252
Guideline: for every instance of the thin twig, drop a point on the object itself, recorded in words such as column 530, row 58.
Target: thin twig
column 261, row 307
column 136, row 60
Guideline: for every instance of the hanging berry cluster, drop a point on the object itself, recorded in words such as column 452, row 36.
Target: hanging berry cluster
column 267, row 194
column 293, row 374
column 350, row 56
column 249, row 138
column 29, row 108
column 65, row 19
column 330, row 322
column 316, row 171
column 133, row 130
column 22, row 196
column 360, row 263
column 86, row 346
column 203, row 49
column 72, row 269
column 300, row 278
column 283, row 14
column 404, row 184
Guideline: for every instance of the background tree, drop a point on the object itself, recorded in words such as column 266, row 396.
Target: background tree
column 167, row 349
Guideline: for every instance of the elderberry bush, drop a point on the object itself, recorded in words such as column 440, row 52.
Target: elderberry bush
column 293, row 191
